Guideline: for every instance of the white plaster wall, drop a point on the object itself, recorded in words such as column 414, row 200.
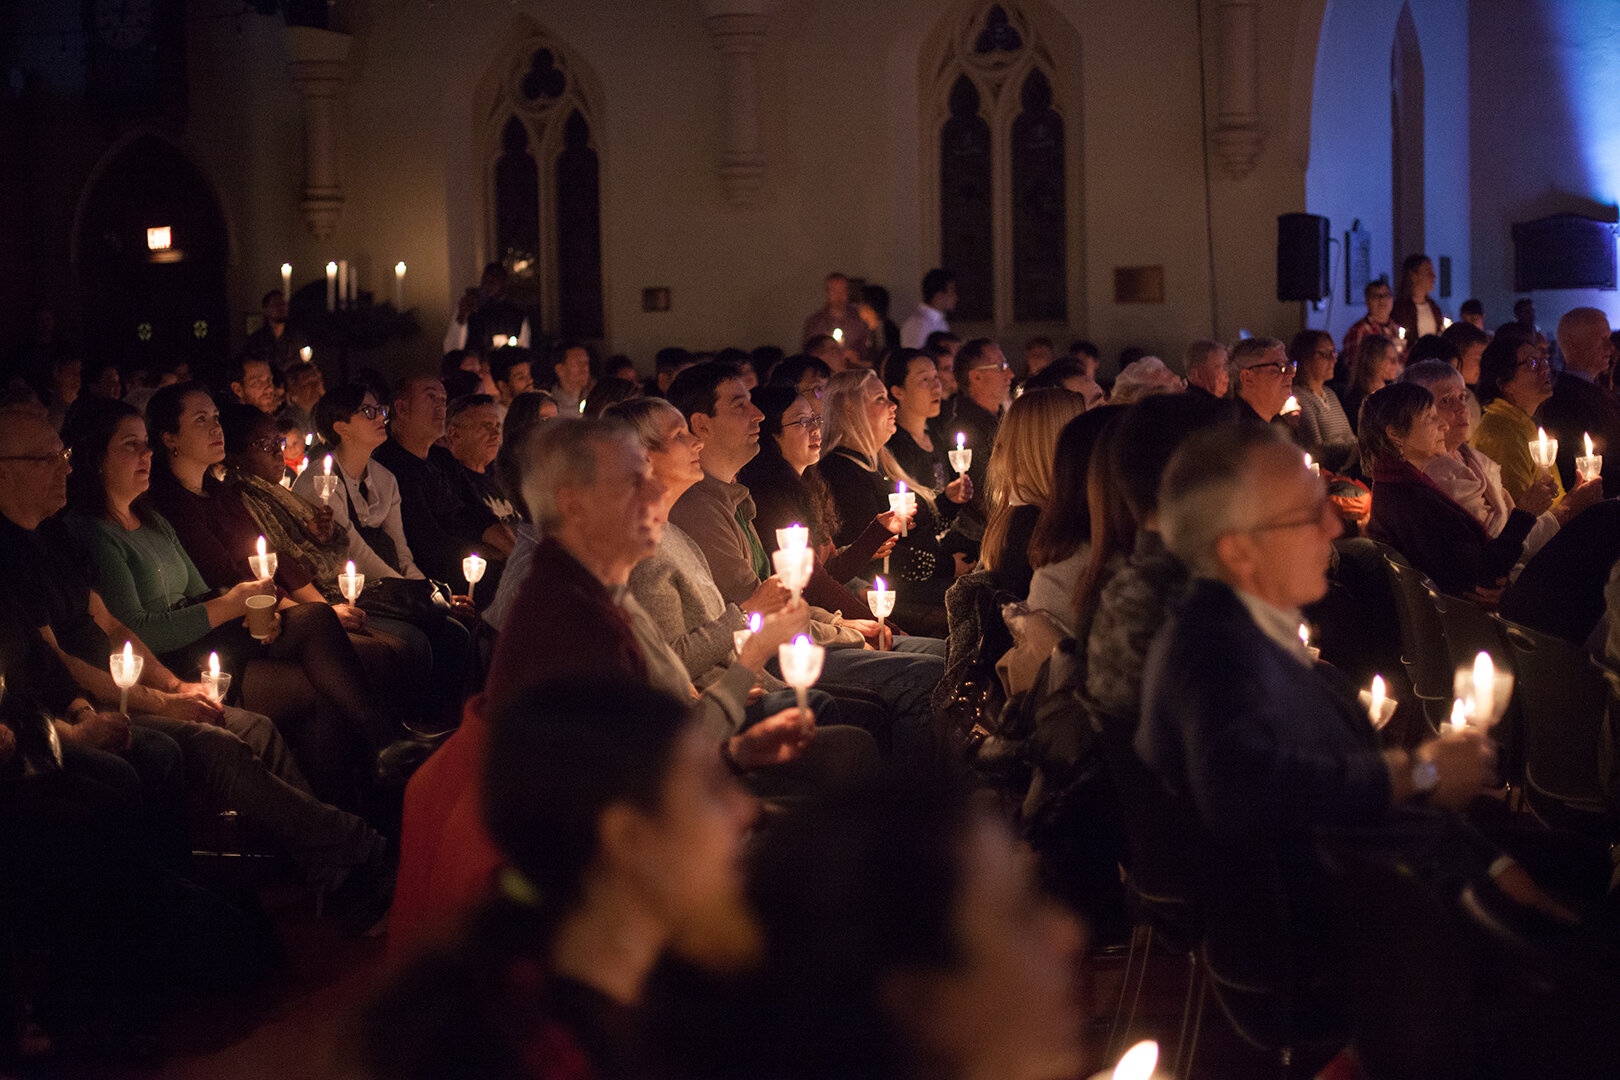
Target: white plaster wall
column 1349, row 173
column 1546, row 136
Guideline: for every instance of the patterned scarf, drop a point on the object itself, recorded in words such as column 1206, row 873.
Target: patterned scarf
column 285, row 517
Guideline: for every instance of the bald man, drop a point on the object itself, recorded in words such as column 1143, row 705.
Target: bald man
column 1579, row 405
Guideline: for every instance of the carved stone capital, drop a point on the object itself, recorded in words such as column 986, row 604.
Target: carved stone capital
column 738, row 29
column 1239, row 135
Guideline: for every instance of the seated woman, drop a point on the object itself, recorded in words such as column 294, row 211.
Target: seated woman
column 861, row 473
column 151, row 585
column 1513, row 382
column 622, row 833
column 787, row 490
column 428, row 658
column 889, row 917
column 918, row 444
column 1376, row 363
column 1020, row 478
column 1324, row 429
column 1401, row 433
column 1060, row 547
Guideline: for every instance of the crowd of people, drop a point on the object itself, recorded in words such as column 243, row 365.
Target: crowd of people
column 493, row 655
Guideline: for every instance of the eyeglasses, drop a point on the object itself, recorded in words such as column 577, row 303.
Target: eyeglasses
column 810, row 423
column 1327, row 350
column 1535, row 363
column 1314, row 521
column 372, row 412
column 990, row 367
column 1279, row 367
column 62, row 457
column 269, row 446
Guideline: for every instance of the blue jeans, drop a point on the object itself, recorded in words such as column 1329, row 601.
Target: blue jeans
column 905, row 682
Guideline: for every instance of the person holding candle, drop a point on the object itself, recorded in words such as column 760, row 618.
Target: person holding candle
column 918, row 445
column 1514, row 382
column 151, row 585
column 1579, row 407
column 1020, row 478
column 985, row 380
column 1324, row 429
column 788, row 490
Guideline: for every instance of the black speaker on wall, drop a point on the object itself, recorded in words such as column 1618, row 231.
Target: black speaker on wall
column 1302, row 257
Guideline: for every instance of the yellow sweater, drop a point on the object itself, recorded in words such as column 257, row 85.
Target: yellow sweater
column 1504, row 435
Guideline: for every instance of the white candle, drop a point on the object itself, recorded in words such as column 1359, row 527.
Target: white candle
column 900, row 503
column 794, row 565
column 350, row 584
column 739, row 638
column 331, row 286
column 1312, row 467
column 126, row 672
column 1290, row 406
column 215, row 682
column 1459, row 716
column 326, row 484
column 961, row 457
column 1400, row 332
column 1590, row 465
column 793, row 537
column 286, row 281
column 1543, row 451
column 472, row 568
column 838, row 335
column 801, row 667
column 880, row 598
column 1445, row 324
column 1379, row 706
column 399, row 286
column 264, row 563
column 500, row 340
column 1377, row 696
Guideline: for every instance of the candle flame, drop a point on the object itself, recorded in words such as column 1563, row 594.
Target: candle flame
column 1377, row 707
column 801, row 642
column 286, row 269
column 838, row 335
column 399, row 269
column 331, row 269
column 1138, row 1062
column 262, row 548
column 1304, row 634
column 1541, row 437
column 1308, row 461
column 755, row 621
column 961, row 440
column 309, row 439
column 349, row 568
column 1588, row 444
column 1459, row 716
column 901, row 487
column 328, row 464
column 213, row 664
column 129, row 655
column 1484, row 687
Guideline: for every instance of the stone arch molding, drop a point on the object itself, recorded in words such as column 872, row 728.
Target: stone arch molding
column 112, row 153
column 1050, row 44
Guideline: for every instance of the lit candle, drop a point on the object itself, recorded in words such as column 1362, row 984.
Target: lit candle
column 794, row 565
column 331, row 286
column 399, row 286
column 500, row 340
column 350, row 584
column 326, row 484
column 1445, row 324
column 801, row 667
column 264, row 563
column 1312, row 467
column 793, row 537
column 1484, row 688
column 1379, row 706
column 1459, row 717
column 1138, row 1062
column 1590, row 465
column 880, row 599
column 1290, row 406
column 1305, row 639
column 900, row 503
column 1543, row 451
column 961, row 457
column 472, row 568
column 286, row 280
column 126, row 672
column 739, row 638
column 1400, row 332
column 838, row 335
column 215, row 682
column 305, row 353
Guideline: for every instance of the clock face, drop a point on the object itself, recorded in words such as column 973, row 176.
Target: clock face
column 123, row 24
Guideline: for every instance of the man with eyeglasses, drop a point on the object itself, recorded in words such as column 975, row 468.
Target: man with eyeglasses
column 1264, row 376
column 1287, row 796
column 1378, row 321
column 985, row 381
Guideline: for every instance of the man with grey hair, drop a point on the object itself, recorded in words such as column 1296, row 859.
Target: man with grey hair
column 1264, row 376
column 1206, row 369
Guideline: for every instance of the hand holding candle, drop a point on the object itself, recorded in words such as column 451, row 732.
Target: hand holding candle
column 472, row 568
column 794, row 566
column 961, row 457
column 216, row 683
column 1305, row 639
column 739, row 638
column 326, row 484
column 1481, row 691
column 880, row 599
column 350, row 584
column 264, row 563
column 1543, row 451
column 126, row 672
column 793, row 537
column 1590, row 465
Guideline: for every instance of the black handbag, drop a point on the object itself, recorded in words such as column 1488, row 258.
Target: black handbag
column 412, row 600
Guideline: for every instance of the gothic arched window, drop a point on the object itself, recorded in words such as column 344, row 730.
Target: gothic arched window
column 1008, row 208
column 545, row 189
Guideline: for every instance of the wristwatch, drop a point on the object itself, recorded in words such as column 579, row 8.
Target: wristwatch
column 1425, row 777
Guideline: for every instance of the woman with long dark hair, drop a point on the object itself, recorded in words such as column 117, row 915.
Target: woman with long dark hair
column 1060, row 547
column 150, row 584
column 622, row 833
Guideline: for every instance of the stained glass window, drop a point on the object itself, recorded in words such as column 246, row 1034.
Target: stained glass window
column 579, row 233
column 966, row 213
column 517, row 196
column 1040, row 290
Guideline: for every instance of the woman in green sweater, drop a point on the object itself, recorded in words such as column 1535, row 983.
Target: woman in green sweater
column 149, row 583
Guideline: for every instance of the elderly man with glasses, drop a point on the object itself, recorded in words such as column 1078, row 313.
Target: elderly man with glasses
column 1264, row 377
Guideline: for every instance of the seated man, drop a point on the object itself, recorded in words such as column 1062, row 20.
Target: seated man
column 442, row 524
column 473, row 437
column 236, row 756
column 717, row 513
column 591, row 493
column 253, row 382
column 1274, row 762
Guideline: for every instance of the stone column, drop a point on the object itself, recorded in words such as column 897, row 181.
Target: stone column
column 738, row 28
column 319, row 63
column 1238, row 136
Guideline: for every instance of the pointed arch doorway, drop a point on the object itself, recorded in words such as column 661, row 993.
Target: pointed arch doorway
column 153, row 297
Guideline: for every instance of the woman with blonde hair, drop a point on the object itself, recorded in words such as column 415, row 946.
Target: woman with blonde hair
column 1020, row 479
column 860, row 473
